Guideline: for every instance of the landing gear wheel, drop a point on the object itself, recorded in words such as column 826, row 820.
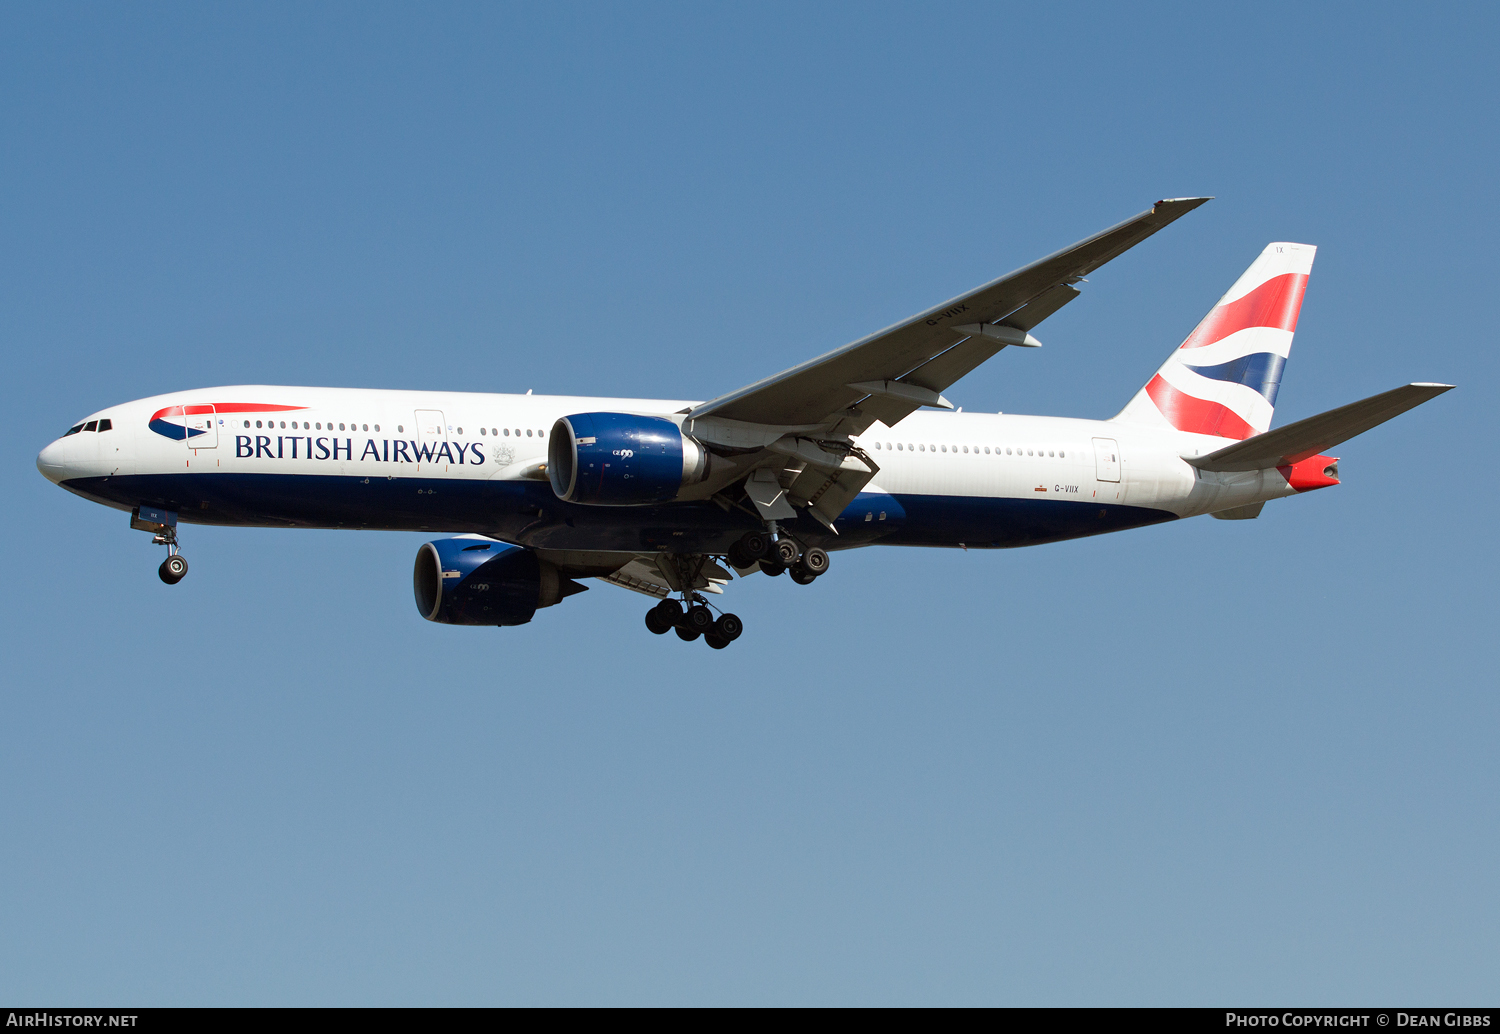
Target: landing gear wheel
column 654, row 623
column 699, row 619
column 718, row 642
column 687, row 635
column 668, row 612
column 729, row 627
column 755, row 545
column 801, row 575
column 816, row 561
column 771, row 568
column 751, row 548
column 173, row 569
column 786, row 552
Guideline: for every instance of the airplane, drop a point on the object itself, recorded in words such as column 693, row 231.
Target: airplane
column 675, row 499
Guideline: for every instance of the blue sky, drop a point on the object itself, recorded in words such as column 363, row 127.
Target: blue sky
column 1206, row 763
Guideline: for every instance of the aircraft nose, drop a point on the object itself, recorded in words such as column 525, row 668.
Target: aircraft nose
column 50, row 462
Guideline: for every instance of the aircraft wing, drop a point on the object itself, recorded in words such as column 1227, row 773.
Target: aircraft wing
column 896, row 370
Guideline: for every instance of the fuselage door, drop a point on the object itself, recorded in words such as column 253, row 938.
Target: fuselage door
column 202, row 427
column 431, row 432
column 1106, row 459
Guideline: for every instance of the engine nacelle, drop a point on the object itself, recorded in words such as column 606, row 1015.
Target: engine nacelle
column 474, row 581
column 622, row 459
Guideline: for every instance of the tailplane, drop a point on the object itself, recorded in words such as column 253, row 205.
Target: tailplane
column 1223, row 379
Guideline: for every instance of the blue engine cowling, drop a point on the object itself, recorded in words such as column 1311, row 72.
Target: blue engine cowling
column 622, row 459
column 474, row 581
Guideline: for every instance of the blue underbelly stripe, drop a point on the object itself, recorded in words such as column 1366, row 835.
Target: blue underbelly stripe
column 527, row 512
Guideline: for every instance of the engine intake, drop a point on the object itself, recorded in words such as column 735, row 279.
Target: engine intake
column 473, row 581
column 622, row 459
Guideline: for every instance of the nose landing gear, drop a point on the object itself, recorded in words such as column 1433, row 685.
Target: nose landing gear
column 162, row 524
column 173, row 569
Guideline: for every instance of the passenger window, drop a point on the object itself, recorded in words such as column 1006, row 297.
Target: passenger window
column 528, row 432
column 367, row 427
column 377, row 428
column 507, row 432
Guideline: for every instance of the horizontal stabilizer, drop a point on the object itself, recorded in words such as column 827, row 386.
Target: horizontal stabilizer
column 1319, row 433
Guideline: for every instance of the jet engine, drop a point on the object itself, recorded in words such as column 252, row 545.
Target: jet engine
column 474, row 581
column 622, row 459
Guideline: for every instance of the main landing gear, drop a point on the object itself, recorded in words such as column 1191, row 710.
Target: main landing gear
column 697, row 620
column 782, row 554
column 775, row 553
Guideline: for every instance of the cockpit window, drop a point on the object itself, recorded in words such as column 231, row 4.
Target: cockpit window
column 92, row 425
column 105, row 425
column 73, row 430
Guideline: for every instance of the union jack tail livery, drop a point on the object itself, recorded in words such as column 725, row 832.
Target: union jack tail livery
column 1223, row 379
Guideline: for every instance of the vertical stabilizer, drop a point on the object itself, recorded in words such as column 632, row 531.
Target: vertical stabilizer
column 1223, row 379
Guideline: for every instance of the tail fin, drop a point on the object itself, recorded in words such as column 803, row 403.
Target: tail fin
column 1223, row 379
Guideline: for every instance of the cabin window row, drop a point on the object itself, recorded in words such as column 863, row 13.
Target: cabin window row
column 976, row 450
column 317, row 425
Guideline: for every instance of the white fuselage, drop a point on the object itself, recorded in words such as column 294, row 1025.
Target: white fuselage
column 356, row 436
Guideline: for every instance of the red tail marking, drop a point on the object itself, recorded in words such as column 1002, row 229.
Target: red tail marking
column 1274, row 303
column 1199, row 416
